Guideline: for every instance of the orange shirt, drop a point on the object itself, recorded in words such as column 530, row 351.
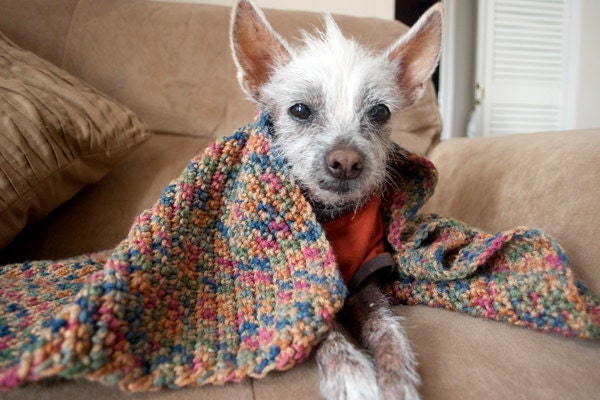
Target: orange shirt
column 356, row 237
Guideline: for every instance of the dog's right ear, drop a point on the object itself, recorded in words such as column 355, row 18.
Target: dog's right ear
column 257, row 49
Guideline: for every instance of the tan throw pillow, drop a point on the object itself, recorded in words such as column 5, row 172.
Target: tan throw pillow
column 57, row 134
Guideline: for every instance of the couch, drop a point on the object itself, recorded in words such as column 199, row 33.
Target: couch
column 169, row 64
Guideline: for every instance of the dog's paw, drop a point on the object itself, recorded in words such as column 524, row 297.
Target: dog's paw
column 346, row 373
column 396, row 383
column 396, row 364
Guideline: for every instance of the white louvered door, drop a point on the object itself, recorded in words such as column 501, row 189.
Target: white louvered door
column 524, row 61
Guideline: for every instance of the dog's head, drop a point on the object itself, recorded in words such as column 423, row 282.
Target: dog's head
column 330, row 100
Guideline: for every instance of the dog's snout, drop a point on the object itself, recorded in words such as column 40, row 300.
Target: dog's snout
column 344, row 163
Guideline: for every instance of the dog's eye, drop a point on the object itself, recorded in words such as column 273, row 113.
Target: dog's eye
column 300, row 111
column 379, row 114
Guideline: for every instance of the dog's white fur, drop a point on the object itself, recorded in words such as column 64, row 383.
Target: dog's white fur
column 341, row 83
column 352, row 376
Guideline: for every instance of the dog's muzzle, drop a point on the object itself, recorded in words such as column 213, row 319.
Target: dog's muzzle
column 344, row 162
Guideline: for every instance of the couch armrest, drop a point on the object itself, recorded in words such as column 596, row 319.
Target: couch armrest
column 549, row 181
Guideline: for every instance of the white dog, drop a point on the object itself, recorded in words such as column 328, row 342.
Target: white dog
column 330, row 103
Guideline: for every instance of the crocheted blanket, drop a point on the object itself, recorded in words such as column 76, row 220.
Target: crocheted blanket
column 229, row 276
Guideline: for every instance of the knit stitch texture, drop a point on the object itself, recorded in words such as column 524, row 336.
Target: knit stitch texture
column 229, row 276
column 521, row 276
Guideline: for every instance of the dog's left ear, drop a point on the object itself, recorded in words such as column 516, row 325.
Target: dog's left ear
column 257, row 49
column 417, row 53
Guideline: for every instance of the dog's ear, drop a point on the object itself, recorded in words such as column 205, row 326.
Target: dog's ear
column 417, row 53
column 257, row 49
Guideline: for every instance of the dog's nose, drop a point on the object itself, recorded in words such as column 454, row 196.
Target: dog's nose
column 344, row 163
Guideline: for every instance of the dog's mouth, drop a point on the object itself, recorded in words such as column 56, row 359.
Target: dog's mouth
column 333, row 198
column 326, row 209
column 330, row 192
column 338, row 186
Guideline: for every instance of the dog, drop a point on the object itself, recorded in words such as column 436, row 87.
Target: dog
column 330, row 103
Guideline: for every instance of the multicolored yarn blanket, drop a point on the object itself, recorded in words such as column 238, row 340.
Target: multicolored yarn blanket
column 229, row 275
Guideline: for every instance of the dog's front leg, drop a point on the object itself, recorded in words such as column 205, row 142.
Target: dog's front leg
column 346, row 373
column 379, row 330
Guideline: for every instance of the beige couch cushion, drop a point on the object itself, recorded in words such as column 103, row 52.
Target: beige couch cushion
column 549, row 181
column 154, row 59
column 56, row 135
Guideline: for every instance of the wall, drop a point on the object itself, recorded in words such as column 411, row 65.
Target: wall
column 372, row 8
column 457, row 67
column 587, row 114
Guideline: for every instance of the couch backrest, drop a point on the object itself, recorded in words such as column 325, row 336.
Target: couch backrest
column 171, row 63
